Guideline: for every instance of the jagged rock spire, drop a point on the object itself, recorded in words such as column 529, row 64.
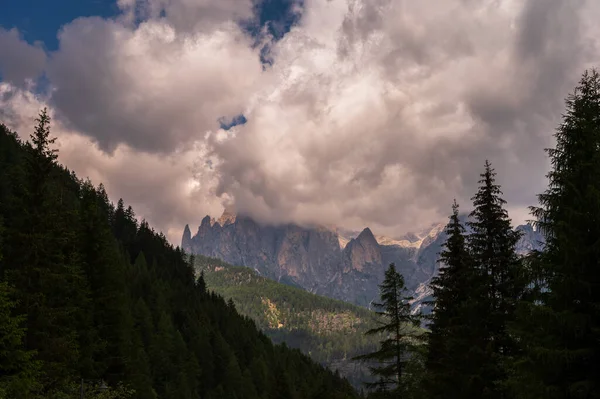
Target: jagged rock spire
column 186, row 240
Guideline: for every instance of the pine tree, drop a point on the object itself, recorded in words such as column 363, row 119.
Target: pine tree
column 81, row 316
column 43, row 158
column 492, row 247
column 559, row 329
column 45, row 266
column 399, row 330
column 201, row 284
column 105, row 273
column 18, row 369
column 160, row 353
column 139, row 372
column 454, row 341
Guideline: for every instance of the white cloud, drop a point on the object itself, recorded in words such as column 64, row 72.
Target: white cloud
column 20, row 62
column 381, row 112
column 161, row 188
column 150, row 87
column 374, row 113
column 187, row 15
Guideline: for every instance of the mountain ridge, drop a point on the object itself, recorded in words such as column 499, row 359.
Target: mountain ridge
column 329, row 261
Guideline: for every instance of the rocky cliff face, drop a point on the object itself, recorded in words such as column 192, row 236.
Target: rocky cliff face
column 531, row 239
column 336, row 263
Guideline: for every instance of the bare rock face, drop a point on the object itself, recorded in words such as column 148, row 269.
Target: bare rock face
column 530, row 240
column 328, row 261
column 228, row 217
column 186, row 240
column 362, row 252
column 291, row 254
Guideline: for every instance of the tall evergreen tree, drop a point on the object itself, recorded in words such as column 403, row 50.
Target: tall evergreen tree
column 101, row 295
column 399, row 329
column 454, row 342
column 492, row 247
column 45, row 266
column 559, row 329
column 18, row 369
column 106, row 276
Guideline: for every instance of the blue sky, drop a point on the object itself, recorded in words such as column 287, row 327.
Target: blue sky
column 40, row 20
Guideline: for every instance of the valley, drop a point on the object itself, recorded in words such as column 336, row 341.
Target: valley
column 330, row 331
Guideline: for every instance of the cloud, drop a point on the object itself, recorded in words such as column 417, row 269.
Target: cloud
column 187, row 15
column 374, row 113
column 161, row 188
column 19, row 61
column 150, row 87
column 381, row 112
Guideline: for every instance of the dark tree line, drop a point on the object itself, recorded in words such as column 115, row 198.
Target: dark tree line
column 87, row 291
column 505, row 326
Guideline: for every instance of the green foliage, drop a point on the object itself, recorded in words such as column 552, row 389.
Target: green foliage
column 43, row 264
column 455, row 340
column 558, row 325
column 491, row 246
column 401, row 336
column 87, row 291
column 18, row 369
column 330, row 331
column 476, row 292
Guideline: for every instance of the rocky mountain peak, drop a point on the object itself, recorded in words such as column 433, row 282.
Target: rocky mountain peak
column 410, row 237
column 366, row 238
column 340, row 263
column 186, row 240
column 206, row 222
column 228, row 217
column 531, row 239
column 362, row 251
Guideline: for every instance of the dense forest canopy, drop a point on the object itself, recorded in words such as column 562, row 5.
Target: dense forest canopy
column 88, row 292
column 332, row 332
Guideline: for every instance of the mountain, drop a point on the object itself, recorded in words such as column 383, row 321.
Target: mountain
column 336, row 263
column 330, row 331
column 531, row 239
column 89, row 293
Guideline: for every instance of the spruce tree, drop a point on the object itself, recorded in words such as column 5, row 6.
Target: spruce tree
column 201, row 284
column 149, row 330
column 45, row 267
column 18, row 369
column 399, row 330
column 454, row 342
column 492, row 244
column 559, row 329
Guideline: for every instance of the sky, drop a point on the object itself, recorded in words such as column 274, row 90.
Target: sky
column 351, row 113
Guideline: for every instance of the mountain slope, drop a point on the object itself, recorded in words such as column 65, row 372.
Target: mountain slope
column 330, row 331
column 336, row 263
column 95, row 294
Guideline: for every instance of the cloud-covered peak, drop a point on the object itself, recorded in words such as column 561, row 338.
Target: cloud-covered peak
column 373, row 112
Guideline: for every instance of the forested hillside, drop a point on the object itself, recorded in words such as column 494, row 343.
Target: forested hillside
column 88, row 292
column 332, row 332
